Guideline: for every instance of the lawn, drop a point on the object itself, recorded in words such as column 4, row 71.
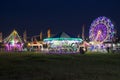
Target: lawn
column 37, row 66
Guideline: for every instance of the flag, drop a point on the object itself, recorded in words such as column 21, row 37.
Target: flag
column 0, row 36
column 25, row 36
column 48, row 33
column 40, row 35
column 32, row 39
column 83, row 37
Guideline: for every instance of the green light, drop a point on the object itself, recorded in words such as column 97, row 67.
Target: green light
column 13, row 42
column 61, row 39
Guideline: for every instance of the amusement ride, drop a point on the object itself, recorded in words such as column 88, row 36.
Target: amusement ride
column 101, row 30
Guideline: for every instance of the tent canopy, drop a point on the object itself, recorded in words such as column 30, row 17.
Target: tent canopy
column 61, row 35
column 13, row 37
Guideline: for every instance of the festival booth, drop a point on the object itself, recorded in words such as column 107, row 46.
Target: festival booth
column 63, row 43
column 35, row 46
column 13, row 42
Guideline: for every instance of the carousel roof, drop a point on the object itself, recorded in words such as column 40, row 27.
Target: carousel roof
column 62, row 36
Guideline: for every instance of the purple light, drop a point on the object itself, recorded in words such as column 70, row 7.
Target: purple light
column 101, row 29
column 11, row 47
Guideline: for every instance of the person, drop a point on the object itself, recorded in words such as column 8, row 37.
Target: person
column 108, row 49
column 81, row 50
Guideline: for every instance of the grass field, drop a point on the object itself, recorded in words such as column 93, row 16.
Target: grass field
column 36, row 66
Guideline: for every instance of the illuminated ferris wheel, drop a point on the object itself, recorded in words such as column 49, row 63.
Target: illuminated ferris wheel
column 101, row 30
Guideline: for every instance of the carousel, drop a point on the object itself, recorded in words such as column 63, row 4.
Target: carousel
column 63, row 43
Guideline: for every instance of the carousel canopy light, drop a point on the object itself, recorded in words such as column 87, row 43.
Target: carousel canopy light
column 61, row 39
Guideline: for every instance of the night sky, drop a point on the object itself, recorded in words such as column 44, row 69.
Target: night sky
column 35, row 16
